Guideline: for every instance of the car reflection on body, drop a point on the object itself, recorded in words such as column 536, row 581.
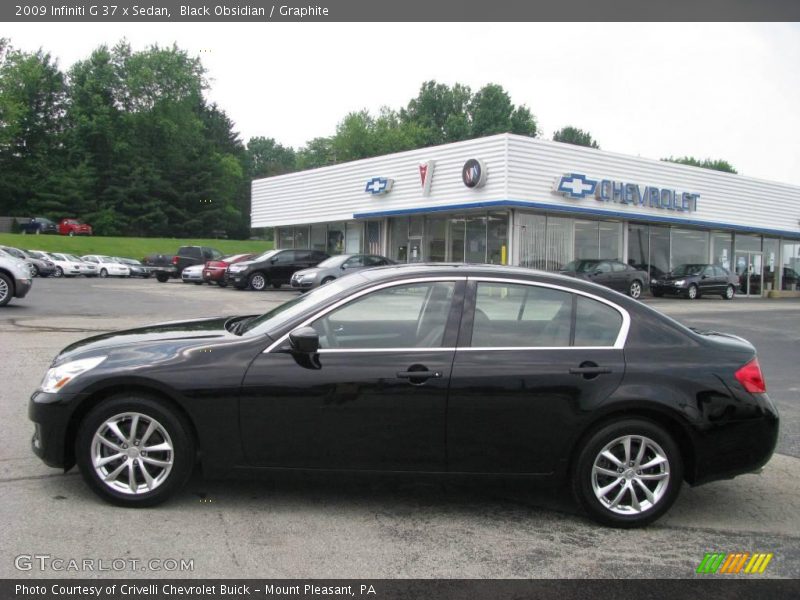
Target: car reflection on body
column 334, row 267
column 437, row 368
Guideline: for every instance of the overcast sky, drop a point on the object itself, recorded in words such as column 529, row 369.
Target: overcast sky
column 727, row 91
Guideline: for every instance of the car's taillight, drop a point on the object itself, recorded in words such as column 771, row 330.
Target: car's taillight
column 174, row 260
column 751, row 378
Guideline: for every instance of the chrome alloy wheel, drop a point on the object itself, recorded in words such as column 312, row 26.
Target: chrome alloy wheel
column 258, row 282
column 636, row 290
column 4, row 289
column 630, row 475
column 132, row 453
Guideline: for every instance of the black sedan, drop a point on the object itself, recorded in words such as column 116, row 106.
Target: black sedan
column 610, row 273
column 438, row 368
column 695, row 280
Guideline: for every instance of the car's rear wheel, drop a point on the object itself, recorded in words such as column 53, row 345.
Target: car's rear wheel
column 103, row 273
column 162, row 278
column 327, row 280
column 34, row 270
column 257, row 281
column 691, row 293
column 635, row 291
column 6, row 289
column 59, row 272
column 222, row 284
column 730, row 292
column 627, row 473
column 134, row 451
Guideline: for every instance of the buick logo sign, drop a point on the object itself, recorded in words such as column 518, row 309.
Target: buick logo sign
column 474, row 173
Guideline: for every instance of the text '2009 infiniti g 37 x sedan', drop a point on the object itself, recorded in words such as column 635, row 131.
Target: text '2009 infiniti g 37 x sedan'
column 423, row 368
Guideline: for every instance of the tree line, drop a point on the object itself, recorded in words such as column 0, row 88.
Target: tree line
column 128, row 141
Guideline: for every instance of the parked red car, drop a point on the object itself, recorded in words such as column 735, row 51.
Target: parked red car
column 214, row 271
column 72, row 227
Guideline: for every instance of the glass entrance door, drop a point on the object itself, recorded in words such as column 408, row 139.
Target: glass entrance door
column 750, row 269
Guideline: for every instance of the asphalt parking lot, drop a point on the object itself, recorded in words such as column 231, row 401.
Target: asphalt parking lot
column 343, row 526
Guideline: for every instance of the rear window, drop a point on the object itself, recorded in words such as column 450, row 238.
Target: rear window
column 190, row 251
column 596, row 324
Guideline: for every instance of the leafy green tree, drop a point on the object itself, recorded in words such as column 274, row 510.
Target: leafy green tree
column 32, row 105
column 266, row 158
column 316, row 153
column 706, row 163
column 575, row 136
column 439, row 113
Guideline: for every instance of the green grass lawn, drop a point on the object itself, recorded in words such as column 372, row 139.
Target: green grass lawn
column 129, row 247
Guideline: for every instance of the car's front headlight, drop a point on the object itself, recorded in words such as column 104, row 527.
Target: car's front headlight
column 57, row 377
column 236, row 268
column 680, row 282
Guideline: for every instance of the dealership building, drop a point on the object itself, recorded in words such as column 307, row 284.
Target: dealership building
column 509, row 199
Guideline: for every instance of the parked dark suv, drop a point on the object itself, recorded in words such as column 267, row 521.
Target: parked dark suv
column 38, row 225
column 172, row 266
column 694, row 280
column 274, row 268
column 610, row 273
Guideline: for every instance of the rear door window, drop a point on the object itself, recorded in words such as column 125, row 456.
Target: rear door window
column 596, row 323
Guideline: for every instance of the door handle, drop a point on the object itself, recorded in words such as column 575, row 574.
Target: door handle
column 589, row 371
column 419, row 374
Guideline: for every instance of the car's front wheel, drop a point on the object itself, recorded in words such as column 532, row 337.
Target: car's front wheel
column 103, row 273
column 627, row 473
column 257, row 281
column 6, row 289
column 691, row 293
column 59, row 272
column 134, row 450
column 327, row 280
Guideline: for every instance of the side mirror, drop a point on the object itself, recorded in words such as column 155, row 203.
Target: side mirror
column 304, row 340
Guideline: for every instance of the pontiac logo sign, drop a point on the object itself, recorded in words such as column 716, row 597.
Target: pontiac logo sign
column 379, row 185
column 426, row 176
column 473, row 173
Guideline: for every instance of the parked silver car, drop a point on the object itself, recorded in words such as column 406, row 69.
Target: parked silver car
column 334, row 267
column 38, row 267
column 15, row 278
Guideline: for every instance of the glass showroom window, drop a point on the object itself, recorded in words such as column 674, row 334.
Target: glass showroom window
column 772, row 268
column 790, row 253
column 372, row 243
column 497, row 239
column 475, row 250
column 532, row 240
column 352, row 244
column 319, row 237
column 285, row 237
column 586, row 240
column 457, row 232
column 335, row 238
column 689, row 246
column 398, row 239
column 721, row 249
column 659, row 251
column 747, row 243
column 560, row 243
column 301, row 236
column 609, row 240
column 639, row 246
column 436, row 239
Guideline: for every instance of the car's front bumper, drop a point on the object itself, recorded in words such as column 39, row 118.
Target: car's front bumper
column 238, row 279
column 667, row 288
column 22, row 287
column 192, row 276
column 51, row 414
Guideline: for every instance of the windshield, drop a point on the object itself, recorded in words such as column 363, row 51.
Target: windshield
column 684, row 270
column 265, row 256
column 14, row 252
column 333, row 261
column 581, row 266
column 73, row 258
column 287, row 311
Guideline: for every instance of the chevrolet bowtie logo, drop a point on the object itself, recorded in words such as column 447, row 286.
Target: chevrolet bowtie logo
column 379, row 185
column 575, row 185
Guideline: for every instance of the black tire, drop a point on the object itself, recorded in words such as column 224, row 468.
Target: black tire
column 35, row 270
column 658, row 294
column 327, row 280
column 59, row 272
column 730, row 292
column 692, row 293
column 635, row 289
column 664, row 490
column 103, row 273
column 6, row 289
column 257, row 281
column 147, row 276
column 179, row 437
column 222, row 283
column 162, row 277
column 198, row 282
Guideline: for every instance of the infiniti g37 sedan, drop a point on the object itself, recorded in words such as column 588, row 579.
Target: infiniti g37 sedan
column 437, row 368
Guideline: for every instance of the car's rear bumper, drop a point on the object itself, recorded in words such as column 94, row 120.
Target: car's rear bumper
column 735, row 448
column 214, row 274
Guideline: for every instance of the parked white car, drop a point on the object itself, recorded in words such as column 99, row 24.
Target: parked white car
column 87, row 269
column 108, row 266
column 66, row 265
column 15, row 278
column 193, row 274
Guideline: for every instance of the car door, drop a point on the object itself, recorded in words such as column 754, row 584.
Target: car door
column 532, row 361
column 375, row 395
column 707, row 281
column 602, row 274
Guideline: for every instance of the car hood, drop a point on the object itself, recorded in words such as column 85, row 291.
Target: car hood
column 179, row 333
